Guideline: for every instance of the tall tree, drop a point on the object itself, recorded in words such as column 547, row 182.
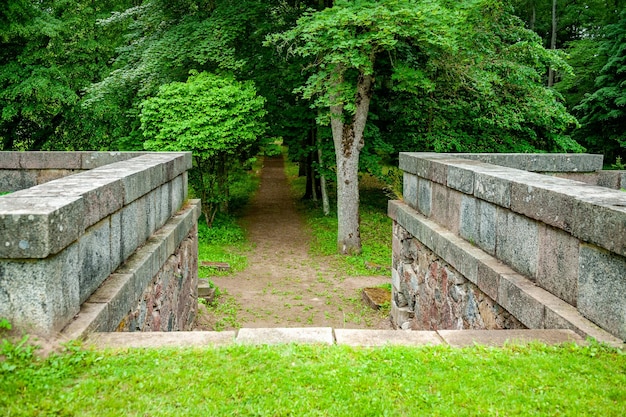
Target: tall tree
column 343, row 42
column 439, row 57
column 50, row 51
column 604, row 110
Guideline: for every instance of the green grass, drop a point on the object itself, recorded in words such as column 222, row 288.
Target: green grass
column 301, row 380
column 375, row 226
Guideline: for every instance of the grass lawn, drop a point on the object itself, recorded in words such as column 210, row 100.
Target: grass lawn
column 301, row 380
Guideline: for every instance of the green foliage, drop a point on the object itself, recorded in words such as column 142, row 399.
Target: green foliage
column 49, row 53
column 215, row 117
column 604, row 110
column 483, row 95
column 5, row 324
column 315, row 380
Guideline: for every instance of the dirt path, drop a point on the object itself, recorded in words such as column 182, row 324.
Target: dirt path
column 283, row 285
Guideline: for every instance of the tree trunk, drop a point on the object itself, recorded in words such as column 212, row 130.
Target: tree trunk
column 324, row 190
column 348, row 142
column 552, row 43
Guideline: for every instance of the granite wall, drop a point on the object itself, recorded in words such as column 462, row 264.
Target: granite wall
column 547, row 250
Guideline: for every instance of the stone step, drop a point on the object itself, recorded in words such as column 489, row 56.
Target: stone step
column 328, row 336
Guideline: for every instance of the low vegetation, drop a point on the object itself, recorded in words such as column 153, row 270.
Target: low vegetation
column 304, row 380
column 375, row 227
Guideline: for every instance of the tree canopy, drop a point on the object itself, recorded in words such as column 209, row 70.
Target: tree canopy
column 346, row 84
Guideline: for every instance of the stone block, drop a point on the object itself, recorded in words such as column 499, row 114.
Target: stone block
column 94, row 258
column 118, row 292
column 515, row 296
column 549, row 200
column 133, row 227
column 116, row 240
column 438, row 172
column 424, row 196
column 178, row 195
column 460, row 178
column 468, row 224
column 92, row 160
column 557, row 268
column 38, row 227
column 43, row 296
column 14, row 180
column 409, row 189
column 9, row 160
column 407, row 162
column 490, row 186
column 466, row 338
column 101, row 194
column 518, row 242
column 92, row 318
column 270, row 336
column 489, row 272
column 50, row 160
column 600, row 218
column 601, row 289
column 540, row 162
column 487, row 220
column 47, row 175
column 446, row 207
column 376, row 338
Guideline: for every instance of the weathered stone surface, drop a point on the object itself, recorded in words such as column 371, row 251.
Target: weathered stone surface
column 50, row 160
column 118, row 293
column 282, row 335
column 492, row 188
column 557, row 269
column 409, row 189
column 498, row 338
column 47, row 175
column 375, row 338
column 487, row 220
column 540, row 162
column 41, row 296
column 601, row 289
column 94, row 258
column 600, row 218
column 12, row 180
column 446, row 207
column 518, row 242
column 91, row 160
column 38, row 227
column 468, row 222
column 424, row 196
column 160, row 339
column 516, row 296
column 460, row 178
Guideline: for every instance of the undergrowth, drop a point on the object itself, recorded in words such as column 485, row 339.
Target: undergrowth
column 375, row 226
column 226, row 240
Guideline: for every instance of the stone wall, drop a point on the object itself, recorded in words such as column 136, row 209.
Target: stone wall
column 429, row 294
column 65, row 241
column 547, row 250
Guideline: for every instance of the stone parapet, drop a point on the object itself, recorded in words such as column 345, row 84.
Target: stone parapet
column 60, row 240
column 567, row 238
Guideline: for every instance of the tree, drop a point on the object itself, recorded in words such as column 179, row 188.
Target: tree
column 604, row 110
column 50, row 51
column 215, row 117
column 461, row 76
column 343, row 42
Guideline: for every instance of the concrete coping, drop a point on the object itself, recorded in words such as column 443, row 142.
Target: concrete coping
column 17, row 160
column 590, row 213
column 329, row 336
column 43, row 220
column 531, row 162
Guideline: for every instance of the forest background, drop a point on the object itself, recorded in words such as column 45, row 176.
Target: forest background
column 226, row 79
